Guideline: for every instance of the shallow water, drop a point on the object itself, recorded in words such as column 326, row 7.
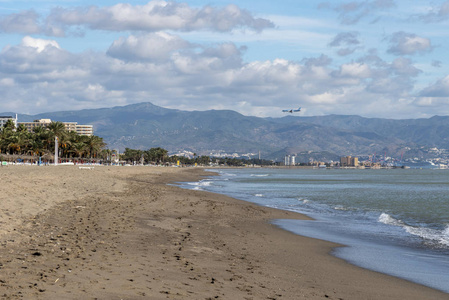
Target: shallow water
column 393, row 221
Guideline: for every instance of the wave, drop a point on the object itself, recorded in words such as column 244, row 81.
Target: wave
column 200, row 184
column 341, row 208
column 224, row 173
column 204, row 183
column 389, row 220
column 260, row 175
column 441, row 237
column 304, row 201
column 258, row 195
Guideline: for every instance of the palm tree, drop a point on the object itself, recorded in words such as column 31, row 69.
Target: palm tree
column 94, row 144
column 156, row 154
column 9, row 125
column 106, row 154
column 78, row 149
column 41, row 141
column 58, row 129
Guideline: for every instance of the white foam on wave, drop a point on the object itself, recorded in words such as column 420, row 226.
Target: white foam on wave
column 222, row 173
column 259, row 175
column 389, row 220
column 258, row 195
column 341, row 208
column 439, row 236
column 304, row 201
column 201, row 183
column 205, row 183
column 198, row 186
column 446, row 230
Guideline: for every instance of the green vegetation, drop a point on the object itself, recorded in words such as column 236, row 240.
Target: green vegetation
column 160, row 156
column 155, row 155
column 41, row 142
column 237, row 162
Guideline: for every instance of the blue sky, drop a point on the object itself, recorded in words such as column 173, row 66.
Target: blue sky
column 375, row 58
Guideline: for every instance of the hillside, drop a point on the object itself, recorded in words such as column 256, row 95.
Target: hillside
column 144, row 125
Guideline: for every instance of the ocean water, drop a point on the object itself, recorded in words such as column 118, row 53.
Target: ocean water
column 392, row 221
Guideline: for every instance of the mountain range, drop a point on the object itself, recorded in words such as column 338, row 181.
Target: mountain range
column 145, row 125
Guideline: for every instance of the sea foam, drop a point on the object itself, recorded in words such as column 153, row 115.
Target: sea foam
column 389, row 220
column 440, row 237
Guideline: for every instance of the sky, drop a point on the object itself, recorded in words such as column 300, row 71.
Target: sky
column 373, row 58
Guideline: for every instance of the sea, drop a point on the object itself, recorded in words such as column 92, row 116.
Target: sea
column 393, row 221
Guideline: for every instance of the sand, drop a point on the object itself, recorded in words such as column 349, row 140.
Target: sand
column 123, row 233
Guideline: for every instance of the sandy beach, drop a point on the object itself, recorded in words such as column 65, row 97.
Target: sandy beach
column 124, row 233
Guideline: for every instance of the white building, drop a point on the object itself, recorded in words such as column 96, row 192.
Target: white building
column 4, row 119
column 69, row 126
column 290, row 160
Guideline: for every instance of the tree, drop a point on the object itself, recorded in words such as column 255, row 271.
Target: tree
column 94, row 144
column 78, row 149
column 41, row 141
column 156, row 155
column 57, row 129
column 203, row 160
column 9, row 125
column 105, row 154
column 132, row 155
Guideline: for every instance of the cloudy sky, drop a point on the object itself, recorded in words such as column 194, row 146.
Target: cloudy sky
column 375, row 58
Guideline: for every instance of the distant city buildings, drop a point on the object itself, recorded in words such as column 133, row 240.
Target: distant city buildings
column 69, row 126
column 349, row 161
column 290, row 160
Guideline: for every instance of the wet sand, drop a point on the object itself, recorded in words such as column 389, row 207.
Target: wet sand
column 123, row 233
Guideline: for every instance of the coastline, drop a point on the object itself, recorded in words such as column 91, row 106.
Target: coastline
column 125, row 232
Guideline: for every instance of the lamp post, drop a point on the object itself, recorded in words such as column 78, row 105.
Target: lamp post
column 56, row 150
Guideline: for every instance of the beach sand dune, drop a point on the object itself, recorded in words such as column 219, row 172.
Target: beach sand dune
column 123, row 233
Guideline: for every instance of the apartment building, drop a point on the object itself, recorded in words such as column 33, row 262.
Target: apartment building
column 348, row 161
column 4, row 119
column 69, row 126
column 290, row 160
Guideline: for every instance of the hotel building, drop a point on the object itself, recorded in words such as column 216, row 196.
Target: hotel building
column 69, row 126
column 4, row 119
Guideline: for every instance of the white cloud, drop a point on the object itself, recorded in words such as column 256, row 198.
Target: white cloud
column 402, row 43
column 438, row 89
column 152, row 46
column 151, row 17
column 404, row 66
column 24, row 22
column 39, row 44
column 167, row 70
column 354, row 11
column 154, row 16
column 345, row 38
column 437, row 13
column 359, row 70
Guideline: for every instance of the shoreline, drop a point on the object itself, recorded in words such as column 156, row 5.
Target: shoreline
column 128, row 232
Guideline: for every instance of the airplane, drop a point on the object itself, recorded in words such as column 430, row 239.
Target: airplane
column 291, row 110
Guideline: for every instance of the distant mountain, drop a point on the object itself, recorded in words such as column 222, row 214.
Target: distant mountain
column 144, row 125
